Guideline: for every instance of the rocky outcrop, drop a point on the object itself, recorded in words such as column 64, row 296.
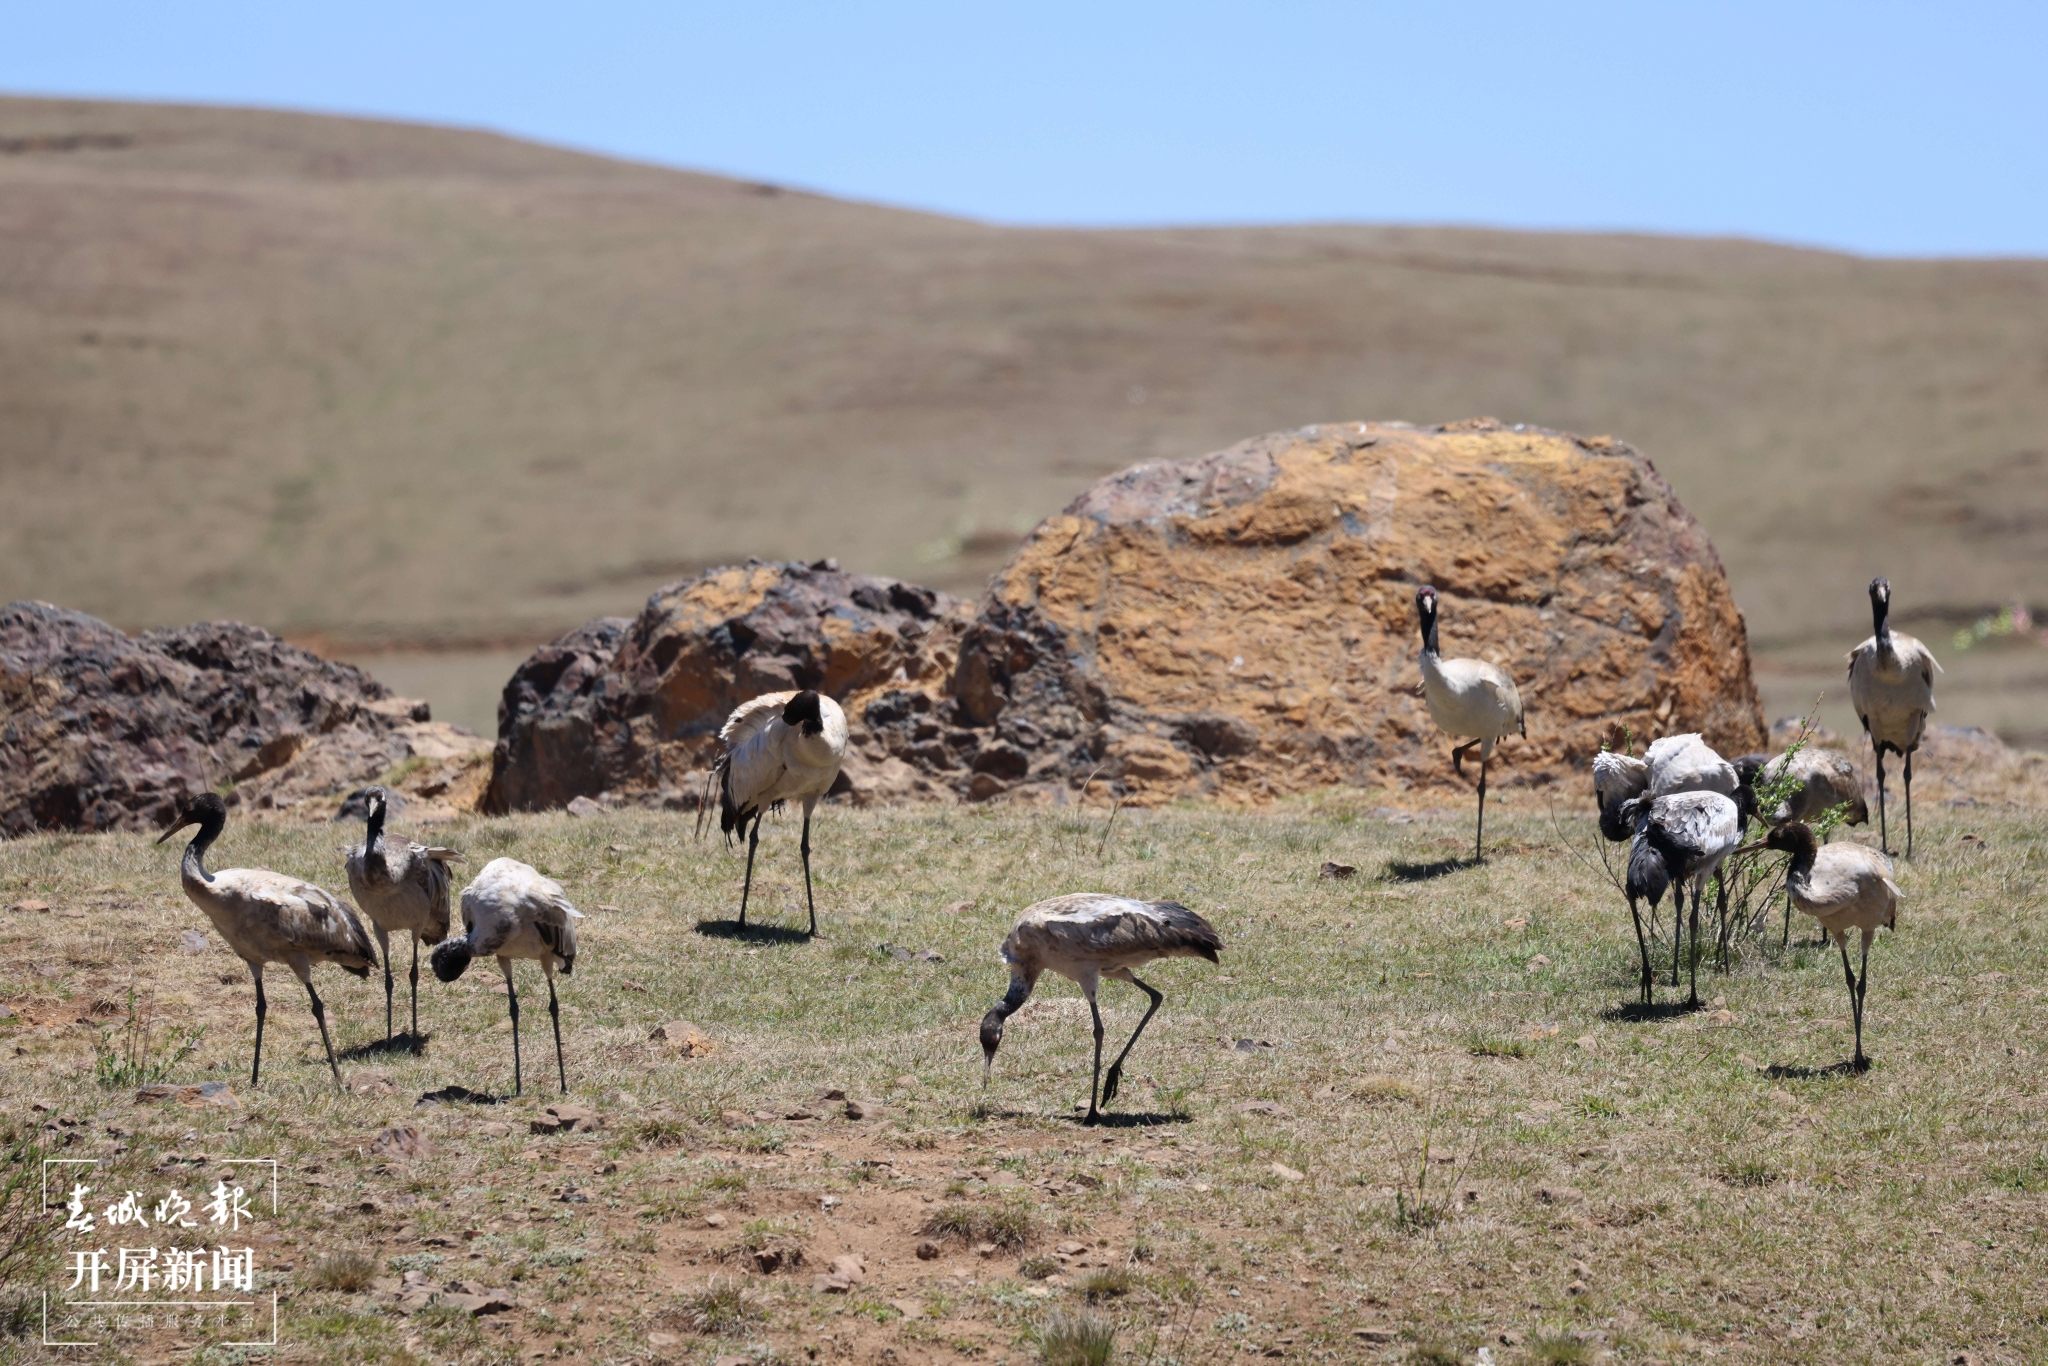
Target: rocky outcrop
column 1239, row 626
column 629, row 711
column 100, row 730
column 1243, row 625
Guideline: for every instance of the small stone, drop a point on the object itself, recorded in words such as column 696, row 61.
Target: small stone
column 863, row 1109
column 663, row 1340
column 1560, row 1195
column 905, row 1082
column 1260, row 1107
column 403, row 1141
column 1510, row 1337
column 929, row 956
column 192, row 941
column 31, row 907
column 1336, row 872
column 831, row 1285
column 1722, row 1018
column 830, row 1093
column 798, row 1112
column 494, row 1129
column 1537, row 964
column 559, row 1119
column 582, row 807
column 1575, row 1288
column 850, row 1267
column 927, row 1250
column 685, row 1038
column 984, row 1249
column 715, row 1221
column 1587, row 1042
column 956, row 907
column 1373, row 1334
column 1286, row 1173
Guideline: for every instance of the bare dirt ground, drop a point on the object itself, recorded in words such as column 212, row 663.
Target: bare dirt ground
column 1410, row 1118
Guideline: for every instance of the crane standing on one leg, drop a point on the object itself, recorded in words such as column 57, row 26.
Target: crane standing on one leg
column 1467, row 697
column 781, row 747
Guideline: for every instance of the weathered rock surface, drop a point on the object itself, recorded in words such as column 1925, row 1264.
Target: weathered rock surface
column 630, row 709
column 1243, row 625
column 1240, row 626
column 100, row 730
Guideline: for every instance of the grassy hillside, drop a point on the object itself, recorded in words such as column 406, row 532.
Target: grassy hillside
column 372, row 382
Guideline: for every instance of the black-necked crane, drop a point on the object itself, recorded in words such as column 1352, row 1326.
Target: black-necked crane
column 783, row 747
column 1845, row 887
column 268, row 917
column 511, row 912
column 1618, row 779
column 1822, row 780
column 1687, row 763
column 402, row 887
column 1467, row 698
column 1891, row 686
column 1085, row 938
column 1680, row 841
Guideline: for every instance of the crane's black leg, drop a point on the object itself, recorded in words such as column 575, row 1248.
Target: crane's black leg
column 753, row 843
column 1642, row 945
column 805, row 846
column 320, row 1014
column 1862, row 1063
column 1856, row 1000
column 1909, row 803
column 1693, row 958
column 1095, row 1080
column 384, row 952
column 1116, row 1069
column 1458, row 756
column 512, row 1003
column 555, row 1014
column 415, row 991
column 1786, row 941
column 262, row 1009
column 1721, row 911
column 1479, row 840
column 1884, row 839
column 1677, row 928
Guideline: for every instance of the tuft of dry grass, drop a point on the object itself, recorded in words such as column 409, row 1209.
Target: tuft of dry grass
column 348, row 1270
column 721, row 1307
column 1007, row 1225
column 1076, row 1337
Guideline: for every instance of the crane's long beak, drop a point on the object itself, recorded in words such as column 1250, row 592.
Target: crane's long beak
column 174, row 830
column 1747, row 848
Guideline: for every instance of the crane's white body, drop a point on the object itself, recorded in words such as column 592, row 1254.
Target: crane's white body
column 1618, row 777
column 770, row 761
column 512, row 912
column 1687, row 763
column 1086, row 937
column 1471, row 699
column 1891, row 686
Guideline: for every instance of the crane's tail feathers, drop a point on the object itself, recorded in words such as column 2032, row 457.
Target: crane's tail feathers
column 1188, row 932
column 440, row 855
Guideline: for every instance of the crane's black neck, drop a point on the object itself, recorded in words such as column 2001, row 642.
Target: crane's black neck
column 1429, row 629
column 376, row 826
column 1014, row 999
column 211, row 823
column 1880, row 618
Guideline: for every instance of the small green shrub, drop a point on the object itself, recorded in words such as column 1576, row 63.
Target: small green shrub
column 1560, row 1349
column 720, row 1307
column 1107, row 1283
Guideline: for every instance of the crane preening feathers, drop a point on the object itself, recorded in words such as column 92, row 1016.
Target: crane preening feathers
column 270, row 917
column 1085, row 938
column 1467, row 698
column 782, row 747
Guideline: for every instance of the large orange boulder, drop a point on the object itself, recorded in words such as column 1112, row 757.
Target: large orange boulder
column 1243, row 625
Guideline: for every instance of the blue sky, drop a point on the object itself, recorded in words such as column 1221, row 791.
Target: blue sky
column 1883, row 128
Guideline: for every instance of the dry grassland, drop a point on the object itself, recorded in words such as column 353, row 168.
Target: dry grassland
column 1591, row 1185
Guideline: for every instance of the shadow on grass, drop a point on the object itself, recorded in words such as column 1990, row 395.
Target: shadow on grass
column 405, row 1043
column 1635, row 1012
column 1141, row 1119
column 458, row 1095
column 1424, row 872
column 1779, row 1071
column 752, row 934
